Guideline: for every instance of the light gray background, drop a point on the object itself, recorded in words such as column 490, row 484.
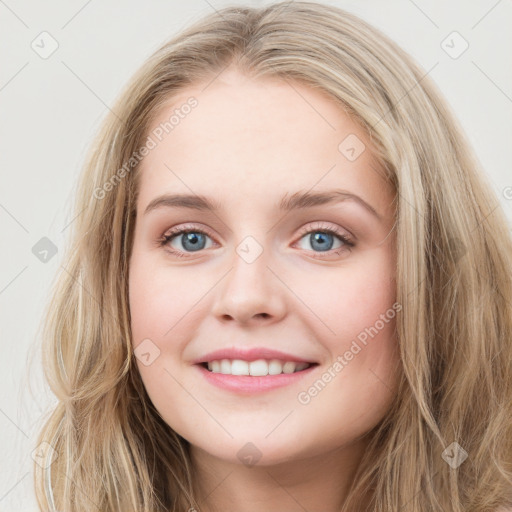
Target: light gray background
column 51, row 107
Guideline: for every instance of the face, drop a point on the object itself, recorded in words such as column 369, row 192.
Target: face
column 315, row 282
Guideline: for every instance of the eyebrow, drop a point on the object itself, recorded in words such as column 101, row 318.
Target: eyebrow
column 298, row 200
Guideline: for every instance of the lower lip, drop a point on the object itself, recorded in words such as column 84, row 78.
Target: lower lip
column 248, row 384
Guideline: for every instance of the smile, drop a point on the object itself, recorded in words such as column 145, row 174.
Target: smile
column 233, row 375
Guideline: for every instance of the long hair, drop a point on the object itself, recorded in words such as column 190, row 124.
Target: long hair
column 107, row 448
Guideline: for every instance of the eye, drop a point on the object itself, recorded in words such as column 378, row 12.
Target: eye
column 191, row 239
column 322, row 239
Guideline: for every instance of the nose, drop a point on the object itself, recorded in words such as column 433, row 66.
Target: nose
column 250, row 293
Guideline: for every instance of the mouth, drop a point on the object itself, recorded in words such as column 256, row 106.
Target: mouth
column 239, row 379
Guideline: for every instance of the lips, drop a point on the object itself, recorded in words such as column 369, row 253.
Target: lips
column 246, row 385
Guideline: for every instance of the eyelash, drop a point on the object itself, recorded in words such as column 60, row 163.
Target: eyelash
column 348, row 243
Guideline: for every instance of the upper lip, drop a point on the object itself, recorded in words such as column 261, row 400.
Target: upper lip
column 251, row 354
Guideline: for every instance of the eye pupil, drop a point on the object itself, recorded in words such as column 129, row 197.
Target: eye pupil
column 319, row 238
column 193, row 239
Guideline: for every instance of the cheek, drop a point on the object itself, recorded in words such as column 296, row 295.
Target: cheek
column 161, row 300
column 361, row 378
column 352, row 299
column 163, row 319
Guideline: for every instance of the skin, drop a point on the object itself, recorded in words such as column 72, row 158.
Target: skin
column 246, row 145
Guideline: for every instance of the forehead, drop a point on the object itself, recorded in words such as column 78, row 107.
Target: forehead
column 260, row 138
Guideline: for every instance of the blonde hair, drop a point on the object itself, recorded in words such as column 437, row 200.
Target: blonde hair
column 110, row 448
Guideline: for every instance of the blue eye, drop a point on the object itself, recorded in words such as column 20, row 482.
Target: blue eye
column 321, row 240
column 192, row 240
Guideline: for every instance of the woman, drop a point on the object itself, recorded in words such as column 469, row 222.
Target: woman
column 341, row 339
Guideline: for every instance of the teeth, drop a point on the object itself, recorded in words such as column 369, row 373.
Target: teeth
column 258, row 368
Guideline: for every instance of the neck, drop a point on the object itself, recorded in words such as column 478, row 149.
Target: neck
column 316, row 483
